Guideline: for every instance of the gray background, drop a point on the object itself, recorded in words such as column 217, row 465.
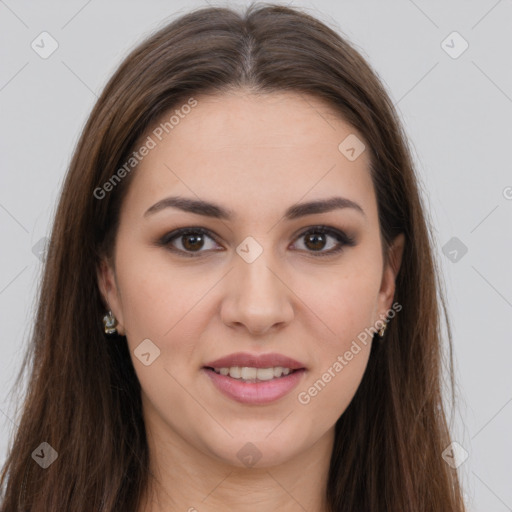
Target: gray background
column 456, row 111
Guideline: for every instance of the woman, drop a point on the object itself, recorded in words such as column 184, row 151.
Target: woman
column 243, row 214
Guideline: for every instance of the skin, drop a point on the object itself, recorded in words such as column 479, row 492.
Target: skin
column 256, row 155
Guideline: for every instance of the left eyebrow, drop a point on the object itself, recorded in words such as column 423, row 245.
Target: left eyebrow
column 321, row 206
column 209, row 209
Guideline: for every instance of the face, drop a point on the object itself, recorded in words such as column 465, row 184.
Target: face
column 246, row 326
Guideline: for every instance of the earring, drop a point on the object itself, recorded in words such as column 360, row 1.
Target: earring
column 383, row 330
column 110, row 322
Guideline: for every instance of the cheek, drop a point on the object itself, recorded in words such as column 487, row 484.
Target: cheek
column 161, row 305
column 343, row 300
column 353, row 312
column 156, row 296
column 340, row 359
column 346, row 305
column 167, row 304
column 328, row 393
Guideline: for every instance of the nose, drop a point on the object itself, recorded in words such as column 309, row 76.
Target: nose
column 257, row 298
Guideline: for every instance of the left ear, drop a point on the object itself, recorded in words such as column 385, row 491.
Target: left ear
column 387, row 288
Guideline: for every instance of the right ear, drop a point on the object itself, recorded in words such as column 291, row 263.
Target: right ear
column 109, row 290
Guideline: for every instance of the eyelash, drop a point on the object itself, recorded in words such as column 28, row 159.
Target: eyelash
column 342, row 238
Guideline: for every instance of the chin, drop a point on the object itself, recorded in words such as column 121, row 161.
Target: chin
column 259, row 452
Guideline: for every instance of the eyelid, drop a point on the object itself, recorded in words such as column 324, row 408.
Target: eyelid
column 341, row 236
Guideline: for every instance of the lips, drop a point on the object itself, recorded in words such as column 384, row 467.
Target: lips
column 256, row 361
column 255, row 391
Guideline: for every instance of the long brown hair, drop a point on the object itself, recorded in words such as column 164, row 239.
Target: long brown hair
column 83, row 396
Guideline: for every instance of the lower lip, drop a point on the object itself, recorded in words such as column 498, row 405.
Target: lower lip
column 255, row 392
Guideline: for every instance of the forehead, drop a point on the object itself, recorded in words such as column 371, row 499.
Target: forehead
column 239, row 147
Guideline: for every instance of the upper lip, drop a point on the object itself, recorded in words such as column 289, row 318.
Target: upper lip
column 255, row 361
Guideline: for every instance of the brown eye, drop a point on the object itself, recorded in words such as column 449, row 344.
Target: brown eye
column 316, row 239
column 192, row 242
column 188, row 241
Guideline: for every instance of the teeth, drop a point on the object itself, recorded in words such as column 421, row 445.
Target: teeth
column 265, row 373
column 235, row 372
column 248, row 373
column 278, row 370
column 253, row 374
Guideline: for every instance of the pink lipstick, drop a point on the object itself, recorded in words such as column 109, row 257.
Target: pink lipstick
column 255, row 378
